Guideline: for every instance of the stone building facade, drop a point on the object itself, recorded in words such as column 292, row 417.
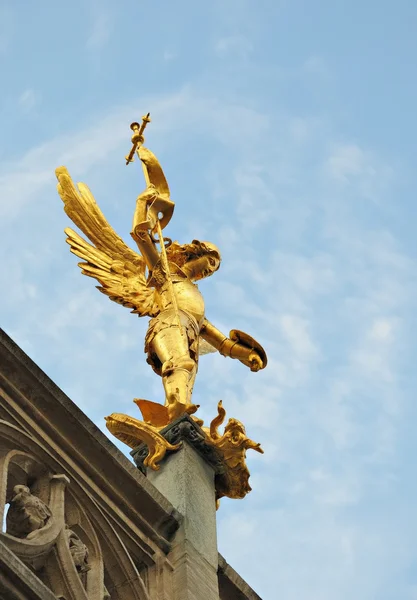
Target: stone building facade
column 82, row 522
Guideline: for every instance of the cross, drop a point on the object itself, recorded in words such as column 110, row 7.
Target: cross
column 137, row 137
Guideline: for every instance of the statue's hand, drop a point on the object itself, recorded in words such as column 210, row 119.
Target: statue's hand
column 255, row 361
column 248, row 350
column 148, row 195
column 143, row 220
column 158, row 208
column 250, row 356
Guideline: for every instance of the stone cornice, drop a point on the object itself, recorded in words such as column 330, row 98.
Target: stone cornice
column 45, row 411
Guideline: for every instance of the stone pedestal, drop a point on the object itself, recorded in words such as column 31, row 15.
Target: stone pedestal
column 186, row 479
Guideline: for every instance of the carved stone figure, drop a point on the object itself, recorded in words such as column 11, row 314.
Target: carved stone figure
column 27, row 513
column 79, row 551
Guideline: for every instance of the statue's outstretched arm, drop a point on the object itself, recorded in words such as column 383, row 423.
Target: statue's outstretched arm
column 141, row 228
column 248, row 355
column 251, row 445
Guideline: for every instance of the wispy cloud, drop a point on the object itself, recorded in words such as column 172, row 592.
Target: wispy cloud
column 233, row 45
column 348, row 161
column 317, row 66
column 328, row 292
column 349, row 164
column 331, row 400
column 169, row 55
column 28, row 100
column 21, row 180
column 100, row 32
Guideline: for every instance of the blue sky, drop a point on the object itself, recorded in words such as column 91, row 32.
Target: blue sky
column 288, row 135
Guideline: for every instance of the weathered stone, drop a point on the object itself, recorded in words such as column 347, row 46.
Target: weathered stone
column 148, row 538
column 27, row 513
column 231, row 584
column 35, row 398
column 78, row 551
column 17, row 582
column 187, row 481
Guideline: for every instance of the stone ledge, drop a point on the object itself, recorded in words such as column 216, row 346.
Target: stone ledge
column 231, row 584
column 38, row 397
column 17, row 582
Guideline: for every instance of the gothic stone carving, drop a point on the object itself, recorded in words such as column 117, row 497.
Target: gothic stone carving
column 78, row 550
column 49, row 530
column 26, row 513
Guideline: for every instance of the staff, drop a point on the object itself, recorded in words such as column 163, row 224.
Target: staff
column 137, row 141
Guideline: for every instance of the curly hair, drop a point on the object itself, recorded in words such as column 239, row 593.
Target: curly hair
column 180, row 254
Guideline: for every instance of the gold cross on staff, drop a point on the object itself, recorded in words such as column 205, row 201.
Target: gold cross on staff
column 137, row 137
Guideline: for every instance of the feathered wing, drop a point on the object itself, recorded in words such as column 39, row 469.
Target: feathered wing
column 119, row 270
column 38, row 508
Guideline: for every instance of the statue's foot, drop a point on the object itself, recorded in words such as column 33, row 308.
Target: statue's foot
column 159, row 416
column 176, row 408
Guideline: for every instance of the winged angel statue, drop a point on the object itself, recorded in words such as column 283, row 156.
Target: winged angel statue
column 160, row 284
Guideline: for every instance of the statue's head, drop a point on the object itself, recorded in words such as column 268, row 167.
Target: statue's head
column 197, row 260
column 235, row 429
column 21, row 489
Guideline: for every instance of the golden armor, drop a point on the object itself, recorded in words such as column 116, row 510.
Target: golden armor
column 157, row 282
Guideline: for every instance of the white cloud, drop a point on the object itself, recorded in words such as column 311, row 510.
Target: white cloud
column 169, row 56
column 253, row 193
column 100, row 33
column 326, row 299
column 295, row 330
column 21, row 180
column 28, row 99
column 24, row 179
column 329, row 405
column 233, row 45
column 301, row 129
column 383, row 329
column 348, row 161
column 316, row 65
column 349, row 164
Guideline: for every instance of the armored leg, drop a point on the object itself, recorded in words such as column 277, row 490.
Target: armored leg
column 178, row 369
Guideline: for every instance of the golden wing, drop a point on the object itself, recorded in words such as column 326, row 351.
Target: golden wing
column 119, row 270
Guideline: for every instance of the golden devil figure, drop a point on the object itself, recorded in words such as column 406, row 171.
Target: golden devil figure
column 160, row 284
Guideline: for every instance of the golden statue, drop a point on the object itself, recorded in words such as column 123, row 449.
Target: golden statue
column 159, row 283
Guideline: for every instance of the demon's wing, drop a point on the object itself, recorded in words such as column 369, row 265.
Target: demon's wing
column 205, row 347
column 119, row 270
